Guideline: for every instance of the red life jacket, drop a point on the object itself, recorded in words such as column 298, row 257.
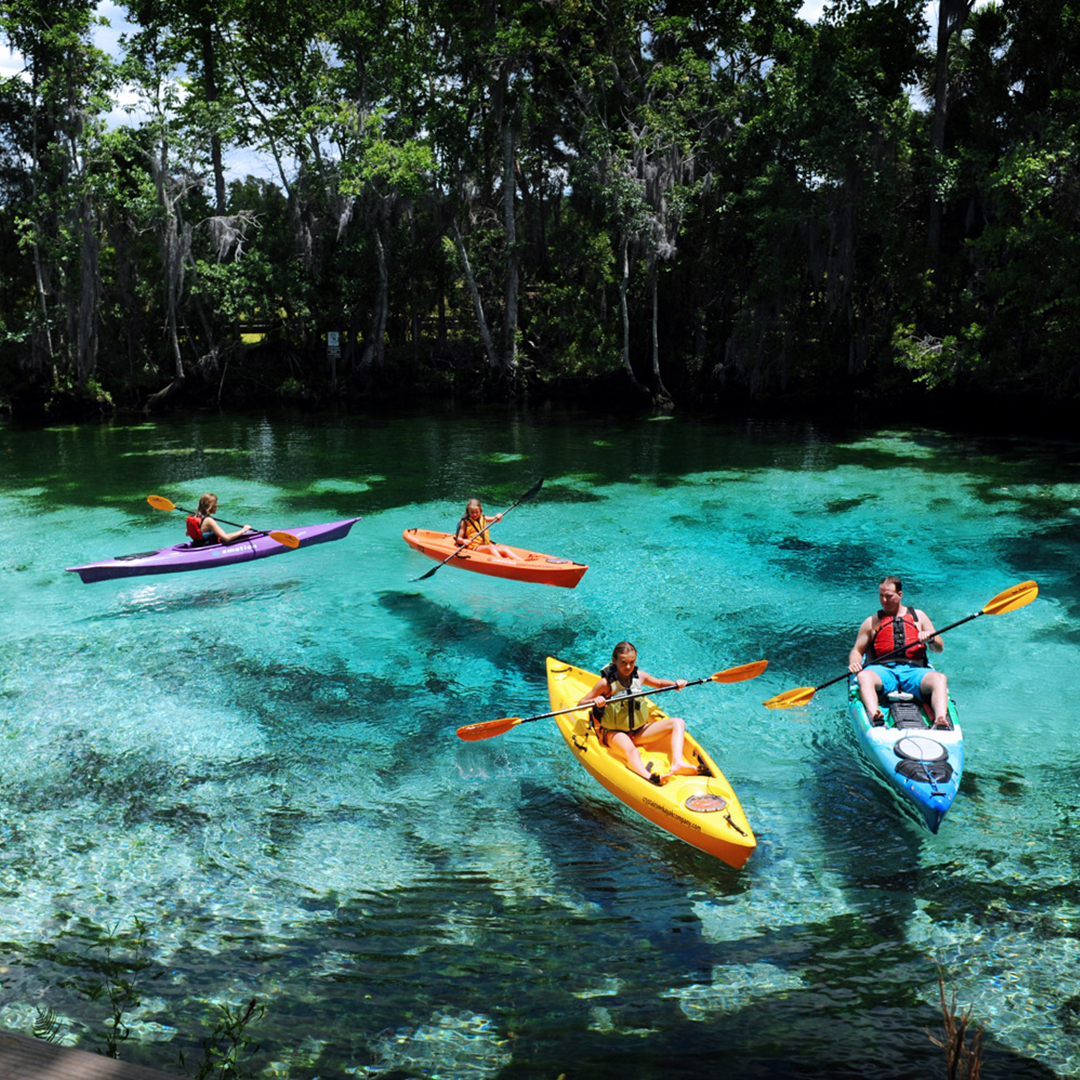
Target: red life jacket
column 195, row 533
column 899, row 632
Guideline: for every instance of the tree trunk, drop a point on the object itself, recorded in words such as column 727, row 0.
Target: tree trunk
column 510, row 302
column 952, row 15
column 374, row 349
column 478, row 305
column 209, row 73
column 659, row 389
column 42, row 277
column 624, row 311
column 171, row 242
column 86, row 335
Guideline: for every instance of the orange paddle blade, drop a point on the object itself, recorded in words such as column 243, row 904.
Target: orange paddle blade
column 789, row 698
column 740, row 673
column 488, row 729
column 285, row 538
column 160, row 503
column 1011, row 599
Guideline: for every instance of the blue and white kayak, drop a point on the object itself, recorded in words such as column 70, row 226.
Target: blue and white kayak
column 923, row 765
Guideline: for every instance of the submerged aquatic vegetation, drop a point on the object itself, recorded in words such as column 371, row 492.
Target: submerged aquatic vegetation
column 963, row 1055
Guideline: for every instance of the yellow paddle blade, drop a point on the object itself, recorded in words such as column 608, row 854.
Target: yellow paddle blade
column 789, row 698
column 488, row 729
column 285, row 538
column 159, row 503
column 1013, row 598
column 740, row 673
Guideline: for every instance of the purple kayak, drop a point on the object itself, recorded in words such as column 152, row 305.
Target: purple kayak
column 180, row 557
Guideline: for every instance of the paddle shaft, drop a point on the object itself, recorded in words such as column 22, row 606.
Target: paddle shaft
column 464, row 547
column 235, row 525
column 621, row 697
column 903, row 648
column 488, row 729
column 287, row 539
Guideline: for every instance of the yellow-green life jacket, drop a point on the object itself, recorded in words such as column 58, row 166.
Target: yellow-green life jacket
column 624, row 715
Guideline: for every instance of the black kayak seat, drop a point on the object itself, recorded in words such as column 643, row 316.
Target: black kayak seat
column 907, row 712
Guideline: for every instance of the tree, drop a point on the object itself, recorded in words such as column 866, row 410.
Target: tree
column 61, row 226
column 952, row 15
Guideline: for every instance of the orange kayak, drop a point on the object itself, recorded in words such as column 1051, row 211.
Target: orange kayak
column 498, row 560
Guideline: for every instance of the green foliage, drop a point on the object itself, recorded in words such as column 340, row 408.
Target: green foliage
column 47, row 1026
column 123, row 958
column 769, row 183
column 225, row 1046
column 115, row 961
column 938, row 362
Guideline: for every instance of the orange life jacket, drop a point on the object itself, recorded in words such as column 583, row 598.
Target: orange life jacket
column 477, row 528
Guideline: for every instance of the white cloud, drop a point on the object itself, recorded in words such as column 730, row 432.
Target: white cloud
column 812, row 10
column 107, row 38
column 11, row 63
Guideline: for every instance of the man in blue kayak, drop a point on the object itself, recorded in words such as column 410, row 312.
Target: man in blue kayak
column 900, row 636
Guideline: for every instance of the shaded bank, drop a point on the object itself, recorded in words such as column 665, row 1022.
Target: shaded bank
column 265, row 380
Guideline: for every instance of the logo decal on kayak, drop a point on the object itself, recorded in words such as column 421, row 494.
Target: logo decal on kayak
column 706, row 804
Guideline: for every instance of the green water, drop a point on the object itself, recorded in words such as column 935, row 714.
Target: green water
column 259, row 763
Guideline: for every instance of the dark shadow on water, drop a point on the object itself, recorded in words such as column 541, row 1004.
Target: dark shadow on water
column 438, row 628
column 842, row 506
column 596, row 974
column 875, row 845
column 582, row 830
column 563, row 493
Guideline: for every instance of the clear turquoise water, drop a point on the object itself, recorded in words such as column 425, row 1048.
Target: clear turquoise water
column 260, row 763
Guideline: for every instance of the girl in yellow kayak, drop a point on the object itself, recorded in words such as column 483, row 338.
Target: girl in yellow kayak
column 624, row 723
column 473, row 530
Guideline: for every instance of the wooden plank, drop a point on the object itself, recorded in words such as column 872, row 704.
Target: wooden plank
column 26, row 1058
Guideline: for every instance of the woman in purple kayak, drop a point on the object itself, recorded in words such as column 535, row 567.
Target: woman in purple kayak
column 203, row 529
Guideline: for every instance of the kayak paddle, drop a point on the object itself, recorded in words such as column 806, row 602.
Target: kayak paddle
column 1015, row 597
column 160, row 503
column 453, row 554
column 490, row 728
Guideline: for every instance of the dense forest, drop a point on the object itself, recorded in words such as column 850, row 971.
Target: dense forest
column 677, row 199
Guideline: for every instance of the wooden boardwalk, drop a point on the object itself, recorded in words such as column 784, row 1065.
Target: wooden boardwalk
column 25, row 1058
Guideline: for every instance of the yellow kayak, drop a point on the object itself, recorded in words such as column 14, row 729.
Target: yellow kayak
column 703, row 810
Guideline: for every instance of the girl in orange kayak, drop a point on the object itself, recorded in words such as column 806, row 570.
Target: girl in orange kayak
column 623, row 723
column 203, row 529
column 473, row 530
